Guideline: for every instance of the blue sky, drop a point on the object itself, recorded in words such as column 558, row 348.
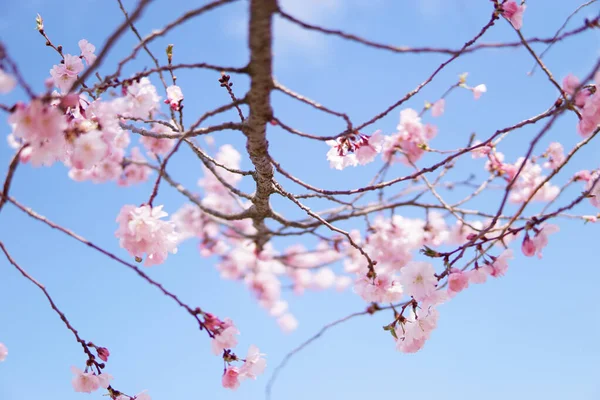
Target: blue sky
column 530, row 334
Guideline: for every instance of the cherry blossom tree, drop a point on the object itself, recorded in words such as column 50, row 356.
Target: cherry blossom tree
column 111, row 127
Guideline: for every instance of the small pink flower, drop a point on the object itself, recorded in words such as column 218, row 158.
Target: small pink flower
column 555, row 154
column 351, row 150
column 384, row 288
column 140, row 396
column 528, row 246
column 88, row 382
column 477, row 275
column 368, row 148
column 7, row 82
column 582, row 176
column 287, row 322
column 103, row 353
column 87, row 51
column 570, row 83
column 88, row 150
column 478, row 91
column 500, row 264
column 174, row 97
column 541, row 238
column 231, row 378
column 226, row 338
column 3, row 352
column 141, row 231
column 513, row 13
column 65, row 74
column 437, row 109
column 481, row 151
column 418, row 279
column 457, row 281
column 254, row 365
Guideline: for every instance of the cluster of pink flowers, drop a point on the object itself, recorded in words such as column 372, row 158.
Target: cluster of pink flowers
column 254, row 365
column 530, row 176
column 88, row 382
column 409, row 143
column 225, row 338
column 414, row 330
column 529, row 179
column 588, row 101
column 555, row 154
column 42, row 126
column 354, row 149
column 84, row 134
column 141, row 231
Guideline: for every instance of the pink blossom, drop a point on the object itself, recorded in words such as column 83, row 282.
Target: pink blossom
column 88, row 149
column 140, row 99
column 88, row 382
column 7, row 82
column 437, row 109
column 555, row 154
column 457, row 281
column 408, row 144
column 528, row 182
column 174, row 97
column 514, row 13
column 87, row 51
column 582, row 176
column 478, row 91
column 141, row 231
column 354, row 149
column 418, row 279
column 570, row 83
column 103, row 353
column 477, row 275
column 254, row 365
column 140, row 396
column 3, row 352
column 541, row 237
column 481, row 151
column 416, row 329
column 225, row 338
column 231, row 378
column 500, row 264
column 42, row 126
column 65, row 74
column 528, row 246
column 369, row 147
column 590, row 115
column 287, row 322
column 383, row 289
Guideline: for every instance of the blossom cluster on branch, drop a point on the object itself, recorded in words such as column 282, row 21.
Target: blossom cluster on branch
column 119, row 130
